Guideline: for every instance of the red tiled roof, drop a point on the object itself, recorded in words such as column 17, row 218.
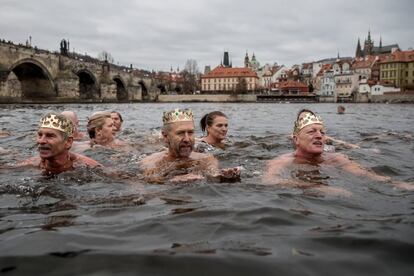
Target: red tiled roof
column 399, row 56
column 292, row 84
column 324, row 68
column 366, row 62
column 226, row 72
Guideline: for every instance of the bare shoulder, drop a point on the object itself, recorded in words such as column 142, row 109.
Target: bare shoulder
column 336, row 158
column 283, row 159
column 205, row 158
column 30, row 162
column 152, row 160
column 275, row 166
column 200, row 156
column 81, row 160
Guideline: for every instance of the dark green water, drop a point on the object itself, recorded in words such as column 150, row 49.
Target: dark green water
column 85, row 223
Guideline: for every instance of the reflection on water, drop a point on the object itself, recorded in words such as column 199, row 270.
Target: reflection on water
column 105, row 225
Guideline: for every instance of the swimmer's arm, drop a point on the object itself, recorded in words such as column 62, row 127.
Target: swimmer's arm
column 346, row 144
column 358, row 170
column 221, row 175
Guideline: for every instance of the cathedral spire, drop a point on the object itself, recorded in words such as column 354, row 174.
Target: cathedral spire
column 358, row 52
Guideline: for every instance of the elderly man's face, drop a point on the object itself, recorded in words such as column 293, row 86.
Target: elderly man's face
column 180, row 138
column 311, row 139
column 51, row 143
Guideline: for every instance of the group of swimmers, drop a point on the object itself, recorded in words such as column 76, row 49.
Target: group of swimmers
column 185, row 160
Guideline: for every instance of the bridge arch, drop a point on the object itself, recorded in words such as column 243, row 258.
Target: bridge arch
column 162, row 88
column 144, row 90
column 88, row 85
column 35, row 79
column 121, row 91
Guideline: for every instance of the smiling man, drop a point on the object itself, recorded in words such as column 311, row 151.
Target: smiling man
column 54, row 140
column 179, row 163
column 309, row 158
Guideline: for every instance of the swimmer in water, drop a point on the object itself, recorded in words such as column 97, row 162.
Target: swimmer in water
column 215, row 124
column 179, row 163
column 101, row 130
column 117, row 120
column 309, row 138
column 54, row 141
column 77, row 135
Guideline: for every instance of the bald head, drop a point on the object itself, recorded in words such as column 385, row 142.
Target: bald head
column 72, row 116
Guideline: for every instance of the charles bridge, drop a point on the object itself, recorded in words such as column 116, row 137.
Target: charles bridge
column 29, row 74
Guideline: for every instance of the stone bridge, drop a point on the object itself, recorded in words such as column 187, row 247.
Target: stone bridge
column 29, row 74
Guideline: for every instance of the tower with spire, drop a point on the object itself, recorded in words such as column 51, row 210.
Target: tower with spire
column 368, row 45
column 370, row 49
column 358, row 52
column 246, row 60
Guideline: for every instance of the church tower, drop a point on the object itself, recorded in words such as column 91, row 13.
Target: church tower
column 226, row 60
column 246, row 61
column 368, row 45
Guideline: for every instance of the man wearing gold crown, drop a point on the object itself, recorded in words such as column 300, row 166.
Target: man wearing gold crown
column 54, row 140
column 179, row 163
column 309, row 140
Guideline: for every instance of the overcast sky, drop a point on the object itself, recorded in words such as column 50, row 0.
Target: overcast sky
column 158, row 34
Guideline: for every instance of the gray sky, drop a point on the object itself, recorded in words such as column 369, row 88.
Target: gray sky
column 158, row 34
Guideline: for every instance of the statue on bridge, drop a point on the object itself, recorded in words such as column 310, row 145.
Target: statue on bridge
column 64, row 47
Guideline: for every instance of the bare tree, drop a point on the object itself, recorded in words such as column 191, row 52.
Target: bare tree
column 191, row 67
column 241, row 86
column 190, row 76
column 105, row 56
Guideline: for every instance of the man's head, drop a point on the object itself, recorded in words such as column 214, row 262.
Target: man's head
column 341, row 109
column 74, row 119
column 54, row 136
column 178, row 132
column 309, row 133
column 117, row 119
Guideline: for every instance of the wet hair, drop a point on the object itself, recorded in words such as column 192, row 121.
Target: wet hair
column 208, row 119
column 119, row 115
column 97, row 120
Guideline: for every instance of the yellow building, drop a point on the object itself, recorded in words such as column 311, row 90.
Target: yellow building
column 398, row 69
column 226, row 79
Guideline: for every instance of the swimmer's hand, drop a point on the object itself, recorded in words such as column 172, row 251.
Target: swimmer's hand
column 230, row 174
column 190, row 177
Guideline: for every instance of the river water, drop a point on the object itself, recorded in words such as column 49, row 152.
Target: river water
column 86, row 223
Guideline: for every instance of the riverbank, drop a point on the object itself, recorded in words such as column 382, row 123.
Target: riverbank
column 401, row 97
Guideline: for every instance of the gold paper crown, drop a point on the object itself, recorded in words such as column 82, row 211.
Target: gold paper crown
column 177, row 115
column 58, row 122
column 306, row 118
